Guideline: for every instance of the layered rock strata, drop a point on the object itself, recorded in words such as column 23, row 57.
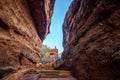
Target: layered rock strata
column 92, row 39
column 23, row 27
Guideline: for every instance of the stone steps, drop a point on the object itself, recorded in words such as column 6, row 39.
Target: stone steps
column 30, row 73
column 57, row 78
column 54, row 74
column 47, row 72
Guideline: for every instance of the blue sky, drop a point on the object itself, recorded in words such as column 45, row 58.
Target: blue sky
column 55, row 37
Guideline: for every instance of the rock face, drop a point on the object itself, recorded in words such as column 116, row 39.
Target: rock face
column 41, row 11
column 92, row 39
column 20, row 21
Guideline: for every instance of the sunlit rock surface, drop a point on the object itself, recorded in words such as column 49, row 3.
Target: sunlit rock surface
column 51, row 56
column 20, row 35
column 92, row 39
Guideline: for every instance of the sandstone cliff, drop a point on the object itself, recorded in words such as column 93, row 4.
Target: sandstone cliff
column 23, row 27
column 92, row 39
column 41, row 14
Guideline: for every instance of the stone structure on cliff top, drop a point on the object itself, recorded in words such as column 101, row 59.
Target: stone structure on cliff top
column 23, row 26
column 92, row 39
column 52, row 53
column 52, row 56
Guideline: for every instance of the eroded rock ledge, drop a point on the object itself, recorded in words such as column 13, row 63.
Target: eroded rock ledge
column 92, row 39
column 23, row 27
column 41, row 11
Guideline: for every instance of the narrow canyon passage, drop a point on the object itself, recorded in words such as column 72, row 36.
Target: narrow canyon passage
column 91, row 40
column 24, row 24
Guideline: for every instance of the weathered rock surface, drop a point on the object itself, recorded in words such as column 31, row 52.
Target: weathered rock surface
column 41, row 11
column 92, row 39
column 20, row 34
column 6, row 71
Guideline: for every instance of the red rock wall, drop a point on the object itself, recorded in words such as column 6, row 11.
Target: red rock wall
column 92, row 39
column 41, row 14
column 19, row 41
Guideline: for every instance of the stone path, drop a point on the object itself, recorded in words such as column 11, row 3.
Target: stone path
column 48, row 73
column 57, row 79
column 33, row 73
column 55, row 75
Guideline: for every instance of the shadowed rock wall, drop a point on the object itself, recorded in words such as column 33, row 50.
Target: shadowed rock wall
column 41, row 11
column 92, row 39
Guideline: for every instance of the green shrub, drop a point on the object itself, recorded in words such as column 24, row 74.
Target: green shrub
column 43, row 50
